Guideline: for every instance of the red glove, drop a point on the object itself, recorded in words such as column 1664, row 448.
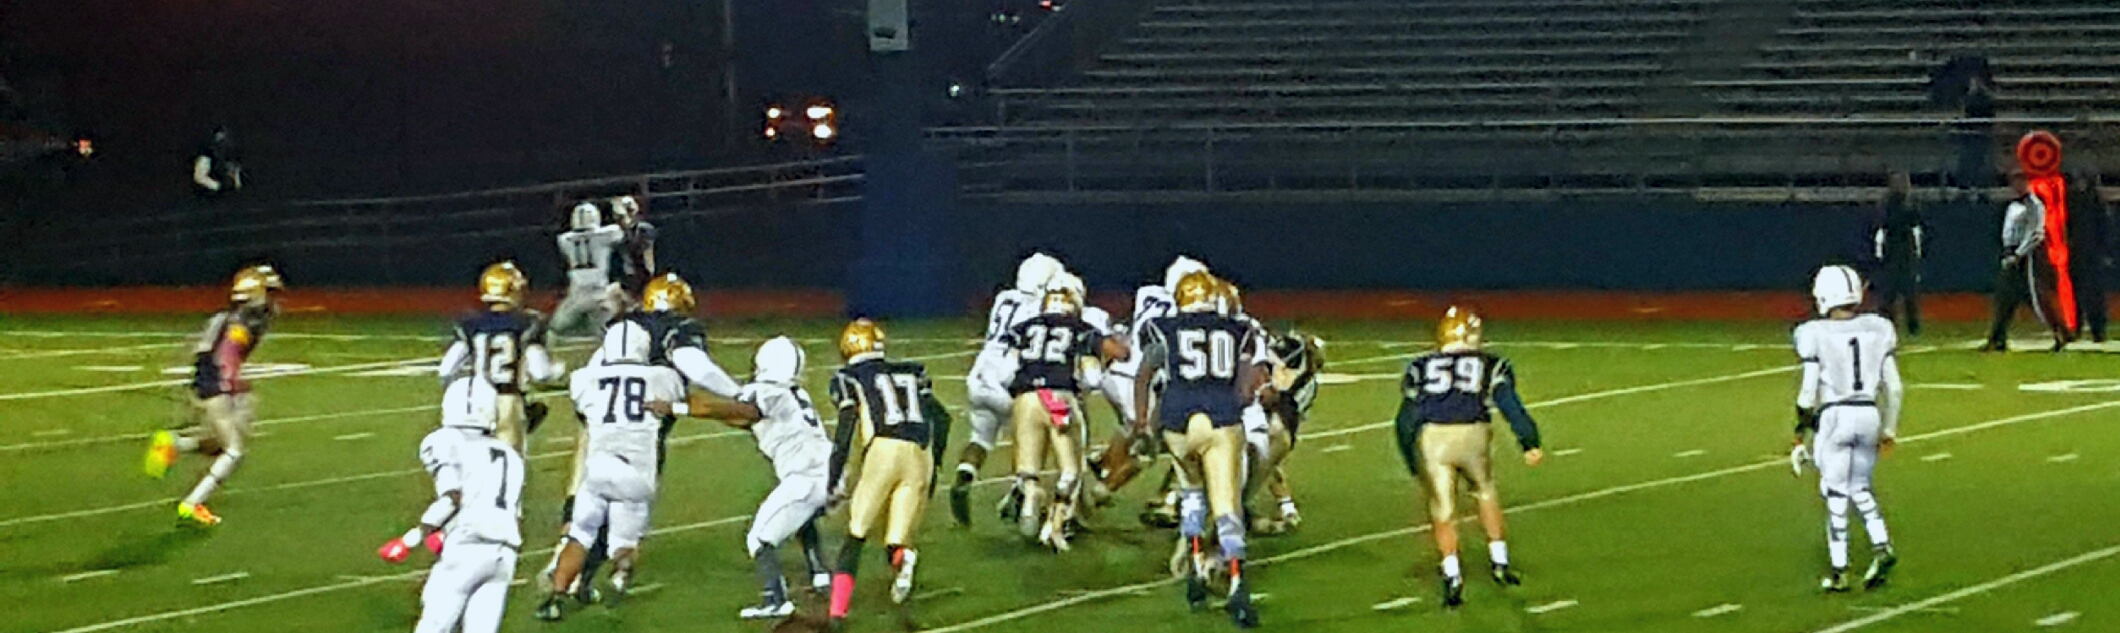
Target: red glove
column 434, row 543
column 394, row 551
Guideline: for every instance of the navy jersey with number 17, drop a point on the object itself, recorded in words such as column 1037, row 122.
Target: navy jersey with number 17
column 889, row 396
column 1201, row 354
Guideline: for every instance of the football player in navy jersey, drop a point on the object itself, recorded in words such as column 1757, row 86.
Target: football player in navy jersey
column 1212, row 370
column 1445, row 431
column 1055, row 354
column 222, row 408
column 890, row 419
column 504, row 346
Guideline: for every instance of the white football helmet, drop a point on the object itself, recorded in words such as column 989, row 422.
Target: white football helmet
column 779, row 361
column 626, row 342
column 1178, row 269
column 470, row 403
column 1836, row 287
column 1036, row 272
column 586, row 217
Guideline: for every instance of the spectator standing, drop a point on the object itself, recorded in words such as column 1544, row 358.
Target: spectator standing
column 1898, row 240
column 1976, row 138
column 2090, row 249
column 216, row 170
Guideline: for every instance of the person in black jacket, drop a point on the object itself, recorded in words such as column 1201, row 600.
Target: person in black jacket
column 2090, row 250
column 1898, row 240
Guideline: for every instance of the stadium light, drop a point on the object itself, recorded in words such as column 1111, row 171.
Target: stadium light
column 774, row 113
column 823, row 131
column 818, row 112
column 772, row 132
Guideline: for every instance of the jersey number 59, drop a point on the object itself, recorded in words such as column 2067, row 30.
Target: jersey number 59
column 1462, row 373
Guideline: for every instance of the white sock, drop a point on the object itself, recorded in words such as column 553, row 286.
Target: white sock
column 1872, row 519
column 1498, row 551
column 223, row 466
column 1450, row 566
column 187, row 444
column 1837, row 530
column 1288, row 507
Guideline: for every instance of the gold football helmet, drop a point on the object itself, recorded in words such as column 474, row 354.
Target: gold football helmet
column 1459, row 330
column 668, row 293
column 1231, row 299
column 503, row 286
column 1197, row 292
column 254, row 286
column 861, row 337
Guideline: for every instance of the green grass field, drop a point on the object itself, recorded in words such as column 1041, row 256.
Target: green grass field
column 1666, row 503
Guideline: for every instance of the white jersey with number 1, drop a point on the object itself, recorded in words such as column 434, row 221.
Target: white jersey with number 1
column 1850, row 362
column 588, row 254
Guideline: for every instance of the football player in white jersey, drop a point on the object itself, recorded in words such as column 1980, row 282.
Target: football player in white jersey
column 592, row 297
column 1849, row 398
column 987, row 385
column 779, row 413
column 1120, row 462
column 621, row 465
column 478, row 486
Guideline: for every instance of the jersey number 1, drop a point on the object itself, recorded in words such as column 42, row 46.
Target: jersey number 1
column 1855, row 352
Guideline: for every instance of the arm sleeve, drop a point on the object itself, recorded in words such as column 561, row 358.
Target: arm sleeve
column 842, row 440
column 202, row 173
column 538, row 362
column 939, row 421
column 1891, row 392
column 1807, row 390
column 1512, row 407
column 453, row 360
column 2035, row 226
column 702, row 371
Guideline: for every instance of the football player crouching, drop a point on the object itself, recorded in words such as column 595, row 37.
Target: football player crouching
column 778, row 412
column 221, row 405
column 890, row 420
column 1052, row 352
column 620, row 471
column 1297, row 359
column 986, row 387
column 474, row 521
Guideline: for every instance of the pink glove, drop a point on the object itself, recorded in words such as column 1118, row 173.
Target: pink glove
column 394, row 551
column 434, row 543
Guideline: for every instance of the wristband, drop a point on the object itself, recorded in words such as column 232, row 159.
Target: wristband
column 681, row 409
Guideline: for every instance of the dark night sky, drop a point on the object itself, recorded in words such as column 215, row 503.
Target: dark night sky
column 387, row 96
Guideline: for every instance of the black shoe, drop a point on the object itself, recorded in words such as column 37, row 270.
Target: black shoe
column 1195, row 593
column 1835, row 581
column 961, row 503
column 1453, row 591
column 1011, row 507
column 1241, row 611
column 551, row 610
column 1995, row 346
column 1880, row 568
column 1506, row 577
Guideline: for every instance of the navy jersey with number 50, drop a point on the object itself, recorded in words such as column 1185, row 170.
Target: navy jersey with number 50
column 1201, row 354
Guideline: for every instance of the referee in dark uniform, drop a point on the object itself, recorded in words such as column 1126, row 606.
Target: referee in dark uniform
column 1898, row 241
column 2090, row 250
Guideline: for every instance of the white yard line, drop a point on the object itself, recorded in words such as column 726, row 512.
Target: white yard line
column 82, row 391
column 2062, row 458
column 60, row 353
column 1595, row 395
column 1399, row 603
column 1963, row 386
column 87, row 575
column 1055, row 605
column 1692, row 453
column 1935, row 457
column 1968, row 592
column 52, row 433
column 353, row 436
column 1567, row 451
column 1551, row 607
column 215, row 580
column 1337, row 448
column 1720, row 609
column 2057, row 619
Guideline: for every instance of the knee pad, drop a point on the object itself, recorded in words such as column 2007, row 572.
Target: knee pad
column 1229, row 530
column 1192, row 512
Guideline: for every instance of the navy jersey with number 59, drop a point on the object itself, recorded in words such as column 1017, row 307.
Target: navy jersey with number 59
column 1463, row 387
column 1201, row 356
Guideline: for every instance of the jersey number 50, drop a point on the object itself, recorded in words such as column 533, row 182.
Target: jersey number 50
column 1203, row 354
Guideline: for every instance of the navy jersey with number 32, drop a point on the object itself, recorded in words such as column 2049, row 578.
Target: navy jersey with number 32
column 1048, row 348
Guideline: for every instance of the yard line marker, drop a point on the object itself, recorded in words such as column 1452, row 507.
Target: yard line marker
column 215, row 580
column 58, row 353
column 80, row 391
column 87, row 575
column 1937, row 457
column 1692, row 453
column 1566, row 452
column 51, row 433
column 1720, row 609
column 111, row 368
column 1956, row 386
column 353, row 436
column 1337, row 448
column 1942, row 610
column 1325, row 548
column 937, row 593
column 2062, row 458
column 645, row 589
column 1400, row 603
column 1550, row 607
column 2057, row 619
column 1961, row 594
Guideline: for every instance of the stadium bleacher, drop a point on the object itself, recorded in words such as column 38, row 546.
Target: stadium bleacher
column 1631, row 95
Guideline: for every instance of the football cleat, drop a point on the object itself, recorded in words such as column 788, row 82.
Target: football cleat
column 769, row 610
column 1011, row 505
column 161, row 453
column 1880, row 568
column 902, row 588
column 196, row 514
column 1835, row 581
column 1506, row 577
column 1195, row 593
column 621, row 582
column 961, row 504
column 1453, row 591
column 552, row 609
column 821, row 583
column 585, row 591
column 1241, row 611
